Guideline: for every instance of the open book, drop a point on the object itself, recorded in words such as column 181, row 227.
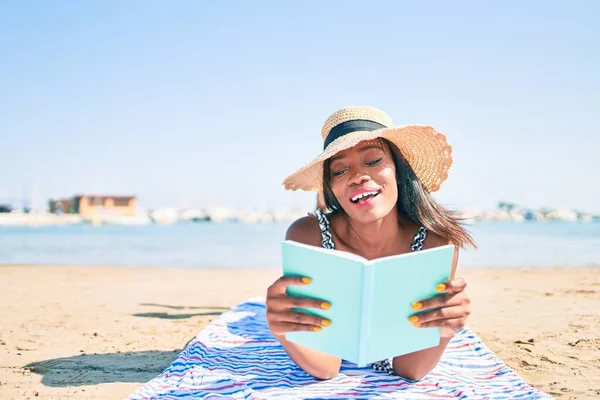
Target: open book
column 371, row 301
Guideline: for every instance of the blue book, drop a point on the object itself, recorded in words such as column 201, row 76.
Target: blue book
column 371, row 300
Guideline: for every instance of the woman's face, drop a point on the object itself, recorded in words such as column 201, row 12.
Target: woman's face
column 363, row 180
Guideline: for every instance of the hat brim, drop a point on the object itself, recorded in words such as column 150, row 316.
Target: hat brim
column 425, row 149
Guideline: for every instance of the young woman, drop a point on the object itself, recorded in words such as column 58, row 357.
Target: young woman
column 376, row 181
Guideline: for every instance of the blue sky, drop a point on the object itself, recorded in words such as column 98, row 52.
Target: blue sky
column 194, row 104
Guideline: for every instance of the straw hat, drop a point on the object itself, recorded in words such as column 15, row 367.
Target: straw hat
column 424, row 148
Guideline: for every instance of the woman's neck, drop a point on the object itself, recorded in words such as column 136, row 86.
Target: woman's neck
column 377, row 239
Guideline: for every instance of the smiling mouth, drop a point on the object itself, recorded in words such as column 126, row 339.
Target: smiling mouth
column 363, row 197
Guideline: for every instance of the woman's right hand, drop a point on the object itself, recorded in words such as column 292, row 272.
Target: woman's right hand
column 280, row 316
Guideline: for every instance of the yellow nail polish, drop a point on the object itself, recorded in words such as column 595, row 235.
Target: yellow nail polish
column 306, row 280
column 325, row 306
column 326, row 322
column 417, row 305
column 413, row 319
column 317, row 328
column 417, row 325
column 440, row 288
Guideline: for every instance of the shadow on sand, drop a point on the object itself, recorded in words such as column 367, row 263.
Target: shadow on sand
column 93, row 369
column 184, row 307
column 128, row 367
column 175, row 316
column 214, row 311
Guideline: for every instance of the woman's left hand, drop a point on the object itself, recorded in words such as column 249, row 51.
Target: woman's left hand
column 448, row 311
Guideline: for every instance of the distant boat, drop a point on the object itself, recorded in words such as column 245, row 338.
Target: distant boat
column 193, row 215
column 164, row 216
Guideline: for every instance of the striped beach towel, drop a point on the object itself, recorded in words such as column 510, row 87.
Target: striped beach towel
column 236, row 357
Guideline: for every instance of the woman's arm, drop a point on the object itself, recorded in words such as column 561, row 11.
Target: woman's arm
column 417, row 365
column 448, row 311
column 319, row 365
column 281, row 320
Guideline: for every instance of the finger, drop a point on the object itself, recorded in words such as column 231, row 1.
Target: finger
column 450, row 287
column 284, row 303
column 442, row 300
column 301, row 318
column 278, row 287
column 453, row 322
column 304, row 302
column 279, row 328
column 439, row 314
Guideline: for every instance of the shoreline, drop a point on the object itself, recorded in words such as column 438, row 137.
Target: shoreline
column 460, row 268
column 100, row 331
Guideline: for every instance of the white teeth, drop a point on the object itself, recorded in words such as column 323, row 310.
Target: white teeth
column 360, row 196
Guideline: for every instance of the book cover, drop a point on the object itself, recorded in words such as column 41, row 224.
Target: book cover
column 370, row 299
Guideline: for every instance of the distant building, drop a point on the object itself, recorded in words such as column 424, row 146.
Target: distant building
column 61, row 206
column 91, row 205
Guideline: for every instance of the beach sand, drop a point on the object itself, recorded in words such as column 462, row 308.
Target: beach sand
column 99, row 333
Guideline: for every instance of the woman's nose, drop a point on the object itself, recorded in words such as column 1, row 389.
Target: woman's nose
column 359, row 178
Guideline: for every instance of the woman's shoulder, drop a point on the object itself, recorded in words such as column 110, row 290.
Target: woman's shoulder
column 429, row 238
column 305, row 230
column 434, row 240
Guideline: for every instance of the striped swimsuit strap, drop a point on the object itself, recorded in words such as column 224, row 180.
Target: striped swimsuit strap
column 327, row 238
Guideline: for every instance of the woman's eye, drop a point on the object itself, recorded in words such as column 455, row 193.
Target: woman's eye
column 375, row 162
column 339, row 173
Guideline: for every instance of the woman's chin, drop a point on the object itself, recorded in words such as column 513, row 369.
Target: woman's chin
column 368, row 212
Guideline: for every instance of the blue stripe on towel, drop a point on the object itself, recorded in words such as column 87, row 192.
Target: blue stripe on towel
column 236, row 357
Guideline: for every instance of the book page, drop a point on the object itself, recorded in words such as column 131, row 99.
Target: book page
column 395, row 284
column 337, row 280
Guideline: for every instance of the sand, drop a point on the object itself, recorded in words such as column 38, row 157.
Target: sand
column 99, row 333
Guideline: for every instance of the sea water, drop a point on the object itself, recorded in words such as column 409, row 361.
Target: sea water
column 237, row 245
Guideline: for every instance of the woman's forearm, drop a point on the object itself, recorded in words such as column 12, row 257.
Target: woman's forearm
column 415, row 366
column 313, row 362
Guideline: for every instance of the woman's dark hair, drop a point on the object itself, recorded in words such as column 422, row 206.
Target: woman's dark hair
column 413, row 201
